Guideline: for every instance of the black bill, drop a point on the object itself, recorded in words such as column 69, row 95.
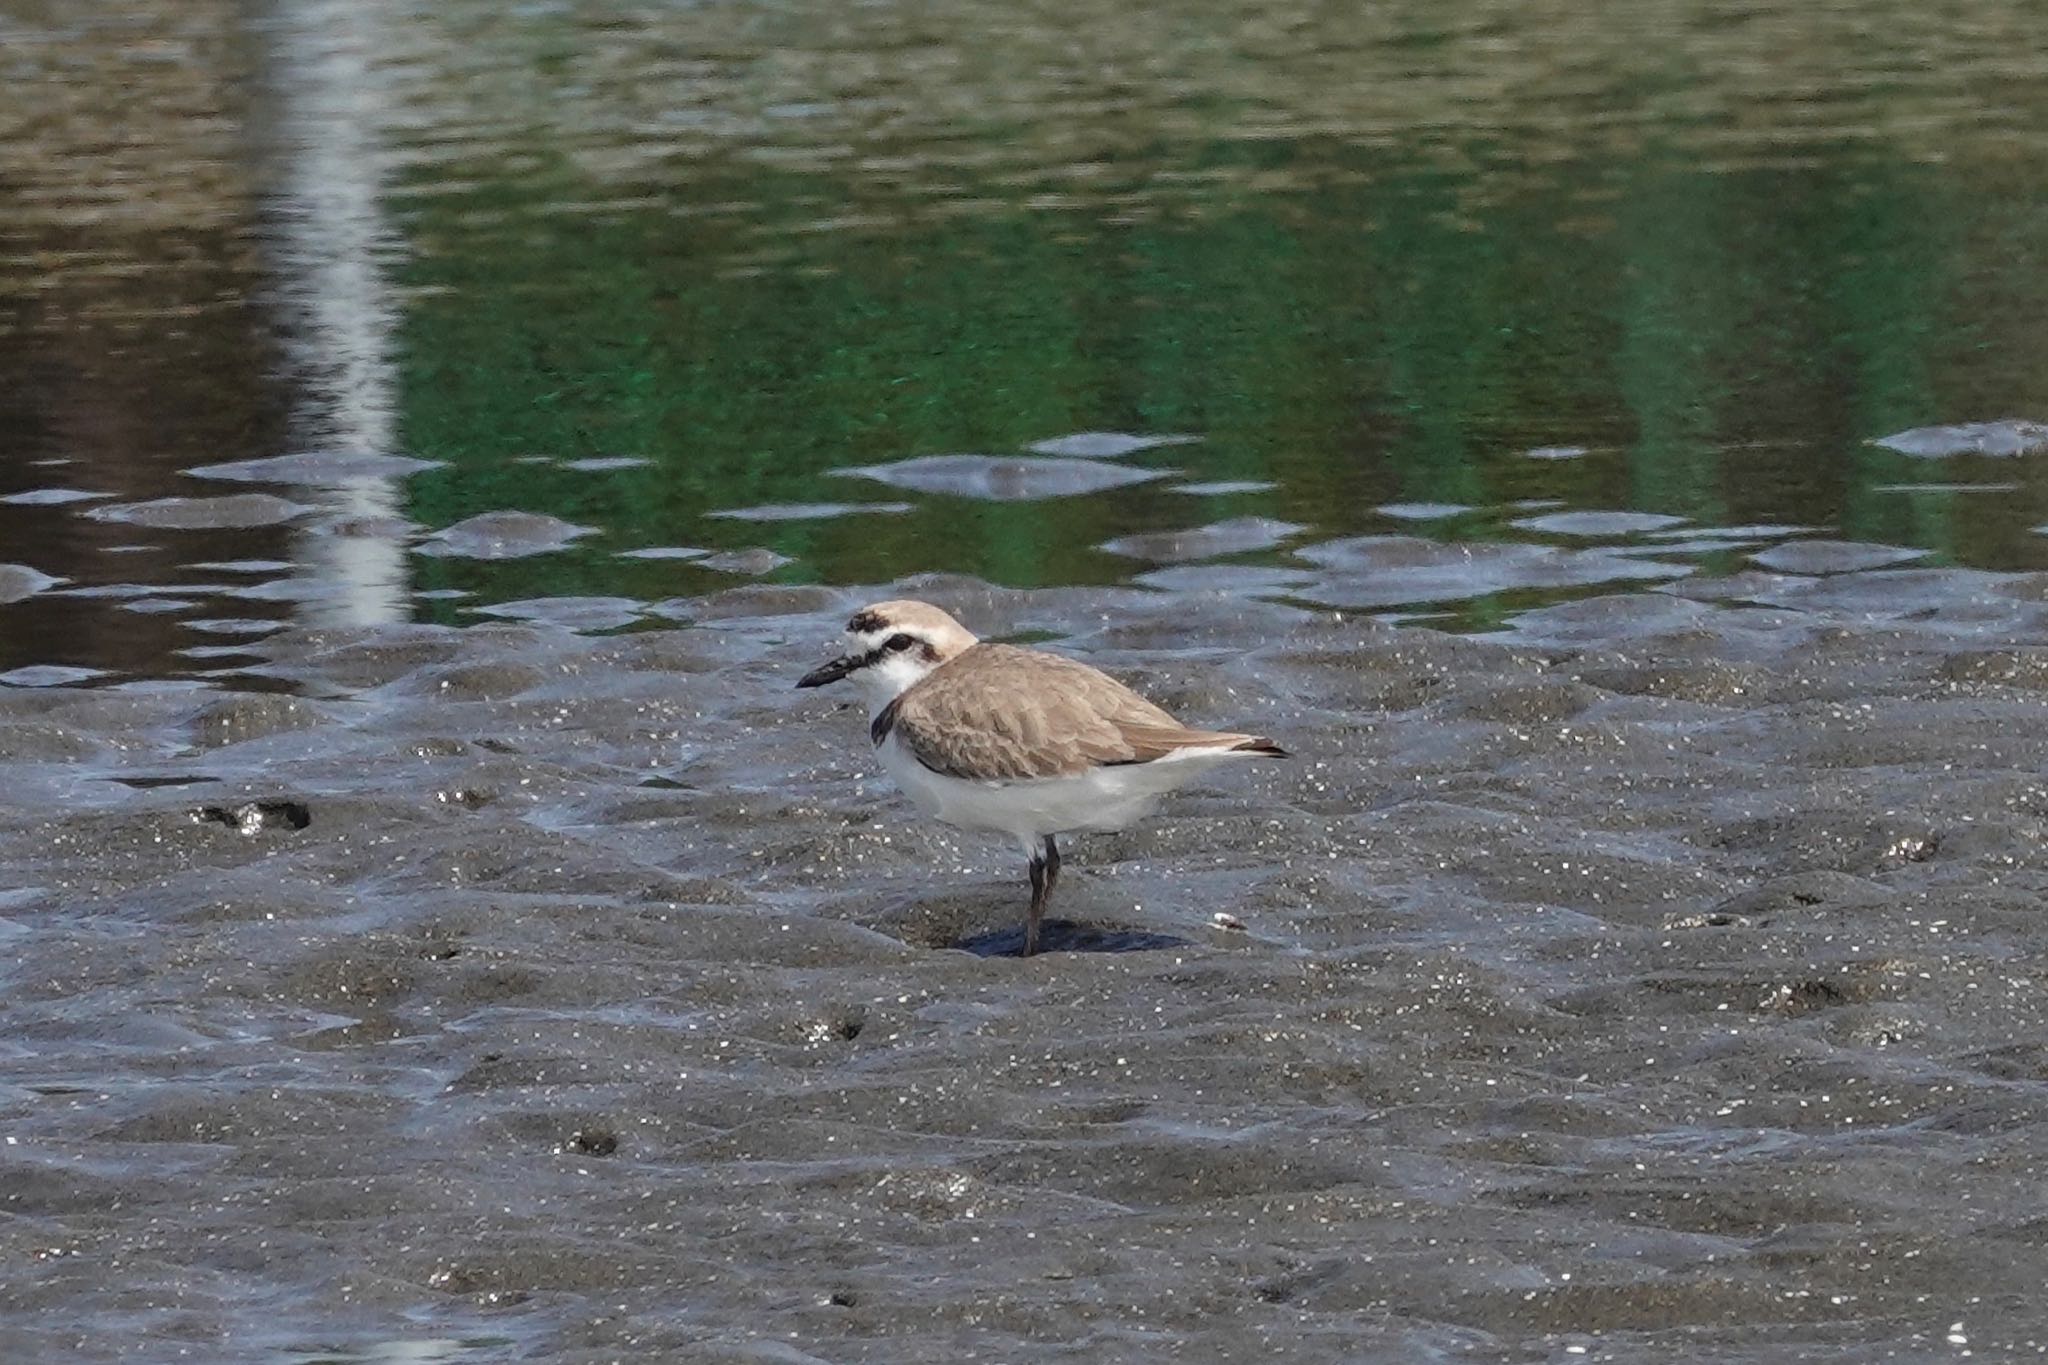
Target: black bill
column 832, row 672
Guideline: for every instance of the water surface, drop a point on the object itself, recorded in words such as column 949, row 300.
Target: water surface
column 632, row 266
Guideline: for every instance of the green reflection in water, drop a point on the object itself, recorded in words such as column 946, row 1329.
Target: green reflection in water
column 1722, row 340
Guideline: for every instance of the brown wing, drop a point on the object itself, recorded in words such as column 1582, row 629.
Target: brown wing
column 997, row 711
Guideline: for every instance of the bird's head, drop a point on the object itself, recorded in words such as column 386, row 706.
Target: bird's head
column 891, row 645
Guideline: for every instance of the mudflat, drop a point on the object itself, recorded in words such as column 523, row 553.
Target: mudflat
column 1656, row 979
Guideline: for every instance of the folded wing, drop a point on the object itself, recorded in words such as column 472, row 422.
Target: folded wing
column 998, row 712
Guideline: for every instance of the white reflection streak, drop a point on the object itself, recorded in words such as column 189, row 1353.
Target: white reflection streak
column 330, row 242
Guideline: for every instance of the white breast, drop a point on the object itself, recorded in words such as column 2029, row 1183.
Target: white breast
column 1029, row 809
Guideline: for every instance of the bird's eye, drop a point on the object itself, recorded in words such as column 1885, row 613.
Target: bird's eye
column 898, row 642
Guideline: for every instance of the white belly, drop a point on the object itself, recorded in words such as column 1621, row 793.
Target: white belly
column 1029, row 809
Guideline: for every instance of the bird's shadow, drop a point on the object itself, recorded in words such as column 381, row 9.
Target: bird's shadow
column 1065, row 936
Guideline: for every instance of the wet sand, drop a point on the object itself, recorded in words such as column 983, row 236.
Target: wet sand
column 1660, row 979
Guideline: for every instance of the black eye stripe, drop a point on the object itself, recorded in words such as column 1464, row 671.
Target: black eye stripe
column 895, row 644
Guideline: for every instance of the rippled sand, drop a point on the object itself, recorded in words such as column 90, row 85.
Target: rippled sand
column 1661, row 981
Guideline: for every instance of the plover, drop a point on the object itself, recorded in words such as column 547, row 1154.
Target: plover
column 1016, row 741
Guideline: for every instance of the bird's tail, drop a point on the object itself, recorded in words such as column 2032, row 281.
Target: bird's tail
column 1148, row 743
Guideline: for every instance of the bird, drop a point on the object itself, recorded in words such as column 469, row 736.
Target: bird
column 1015, row 741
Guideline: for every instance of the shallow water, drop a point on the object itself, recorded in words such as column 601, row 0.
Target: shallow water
column 631, row 266
column 435, row 438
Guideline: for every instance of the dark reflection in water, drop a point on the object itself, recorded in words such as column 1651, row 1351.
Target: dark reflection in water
column 1722, row 357
column 1371, row 258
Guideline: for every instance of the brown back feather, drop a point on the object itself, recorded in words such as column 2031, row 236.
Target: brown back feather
column 1001, row 712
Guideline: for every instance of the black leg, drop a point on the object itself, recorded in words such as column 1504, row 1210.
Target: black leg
column 1045, row 874
column 1040, row 884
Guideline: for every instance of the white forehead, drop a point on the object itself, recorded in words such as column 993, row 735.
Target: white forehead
column 874, row 635
column 919, row 620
